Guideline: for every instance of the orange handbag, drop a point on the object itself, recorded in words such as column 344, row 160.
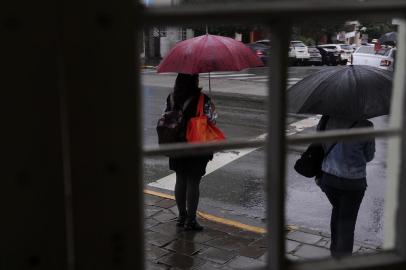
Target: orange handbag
column 199, row 129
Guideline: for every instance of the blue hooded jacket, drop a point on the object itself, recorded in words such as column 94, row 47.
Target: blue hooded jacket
column 348, row 159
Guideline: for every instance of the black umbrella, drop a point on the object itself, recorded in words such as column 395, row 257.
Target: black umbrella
column 389, row 38
column 352, row 92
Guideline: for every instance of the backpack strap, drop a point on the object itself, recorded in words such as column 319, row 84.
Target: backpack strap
column 172, row 103
column 331, row 147
column 200, row 103
column 186, row 103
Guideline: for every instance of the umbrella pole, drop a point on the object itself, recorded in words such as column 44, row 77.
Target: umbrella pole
column 209, row 86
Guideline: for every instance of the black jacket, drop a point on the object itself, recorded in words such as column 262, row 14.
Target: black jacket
column 189, row 164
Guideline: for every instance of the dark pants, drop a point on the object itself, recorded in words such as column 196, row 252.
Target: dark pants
column 187, row 194
column 345, row 204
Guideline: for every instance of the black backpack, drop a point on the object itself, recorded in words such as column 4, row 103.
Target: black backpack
column 171, row 126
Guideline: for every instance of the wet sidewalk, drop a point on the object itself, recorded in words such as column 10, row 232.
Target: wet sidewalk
column 220, row 246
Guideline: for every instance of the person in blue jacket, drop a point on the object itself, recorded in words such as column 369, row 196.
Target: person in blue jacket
column 344, row 182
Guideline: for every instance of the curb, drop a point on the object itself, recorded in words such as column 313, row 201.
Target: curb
column 221, row 220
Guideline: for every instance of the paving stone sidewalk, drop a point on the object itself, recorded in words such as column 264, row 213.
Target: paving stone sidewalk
column 219, row 246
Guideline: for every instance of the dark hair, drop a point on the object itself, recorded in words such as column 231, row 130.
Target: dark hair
column 186, row 85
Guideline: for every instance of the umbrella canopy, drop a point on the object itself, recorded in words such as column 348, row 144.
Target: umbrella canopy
column 351, row 92
column 390, row 37
column 208, row 53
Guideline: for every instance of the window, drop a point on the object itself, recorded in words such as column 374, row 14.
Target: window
column 345, row 47
column 297, row 44
column 366, row 49
column 276, row 141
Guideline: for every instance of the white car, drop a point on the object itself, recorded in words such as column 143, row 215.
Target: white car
column 345, row 51
column 298, row 52
column 383, row 58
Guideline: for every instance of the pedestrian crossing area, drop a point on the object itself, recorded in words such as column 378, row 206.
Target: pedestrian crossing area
column 234, row 76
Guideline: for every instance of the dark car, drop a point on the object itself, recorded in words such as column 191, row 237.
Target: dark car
column 330, row 57
column 261, row 50
column 315, row 56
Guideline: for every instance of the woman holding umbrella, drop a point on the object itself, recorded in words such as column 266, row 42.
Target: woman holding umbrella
column 344, row 182
column 346, row 97
column 189, row 170
column 206, row 53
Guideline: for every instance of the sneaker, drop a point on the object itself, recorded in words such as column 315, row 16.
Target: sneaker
column 193, row 225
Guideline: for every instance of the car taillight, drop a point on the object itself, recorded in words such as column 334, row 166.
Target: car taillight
column 259, row 53
column 385, row 63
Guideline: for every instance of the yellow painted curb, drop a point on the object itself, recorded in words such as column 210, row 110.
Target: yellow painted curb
column 159, row 194
column 219, row 219
column 232, row 223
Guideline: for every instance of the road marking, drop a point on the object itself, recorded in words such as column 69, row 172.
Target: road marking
column 265, row 79
column 217, row 73
column 227, row 75
column 147, row 71
column 301, row 125
column 249, row 78
column 294, row 79
column 220, row 159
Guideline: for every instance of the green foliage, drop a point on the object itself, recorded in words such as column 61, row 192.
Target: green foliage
column 312, row 31
column 377, row 29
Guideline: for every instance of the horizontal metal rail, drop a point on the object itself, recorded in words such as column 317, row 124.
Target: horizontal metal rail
column 268, row 11
column 385, row 260
column 183, row 149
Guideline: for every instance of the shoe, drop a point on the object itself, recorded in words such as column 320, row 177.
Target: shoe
column 193, row 225
column 181, row 221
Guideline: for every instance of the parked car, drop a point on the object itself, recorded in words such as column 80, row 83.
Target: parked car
column 330, row 57
column 345, row 51
column 315, row 56
column 261, row 50
column 263, row 42
column 298, row 52
column 383, row 58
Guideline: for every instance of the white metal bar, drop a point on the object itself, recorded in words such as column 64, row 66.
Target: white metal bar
column 190, row 149
column 385, row 260
column 262, row 11
column 397, row 170
column 275, row 146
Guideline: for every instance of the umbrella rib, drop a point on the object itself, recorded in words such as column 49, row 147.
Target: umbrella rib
column 228, row 50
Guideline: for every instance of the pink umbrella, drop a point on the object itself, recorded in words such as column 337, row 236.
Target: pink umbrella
column 208, row 53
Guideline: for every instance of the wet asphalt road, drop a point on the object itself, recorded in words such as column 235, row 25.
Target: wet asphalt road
column 236, row 191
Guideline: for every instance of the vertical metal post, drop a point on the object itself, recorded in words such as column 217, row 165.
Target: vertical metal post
column 400, row 223
column 103, row 125
column 275, row 147
column 394, row 146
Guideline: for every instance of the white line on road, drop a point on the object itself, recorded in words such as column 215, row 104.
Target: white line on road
column 227, row 75
column 220, row 159
column 249, row 78
column 217, row 73
column 265, row 79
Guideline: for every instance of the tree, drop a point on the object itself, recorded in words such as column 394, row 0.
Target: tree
column 315, row 30
column 377, row 29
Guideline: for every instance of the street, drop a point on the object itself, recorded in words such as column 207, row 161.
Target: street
column 234, row 184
